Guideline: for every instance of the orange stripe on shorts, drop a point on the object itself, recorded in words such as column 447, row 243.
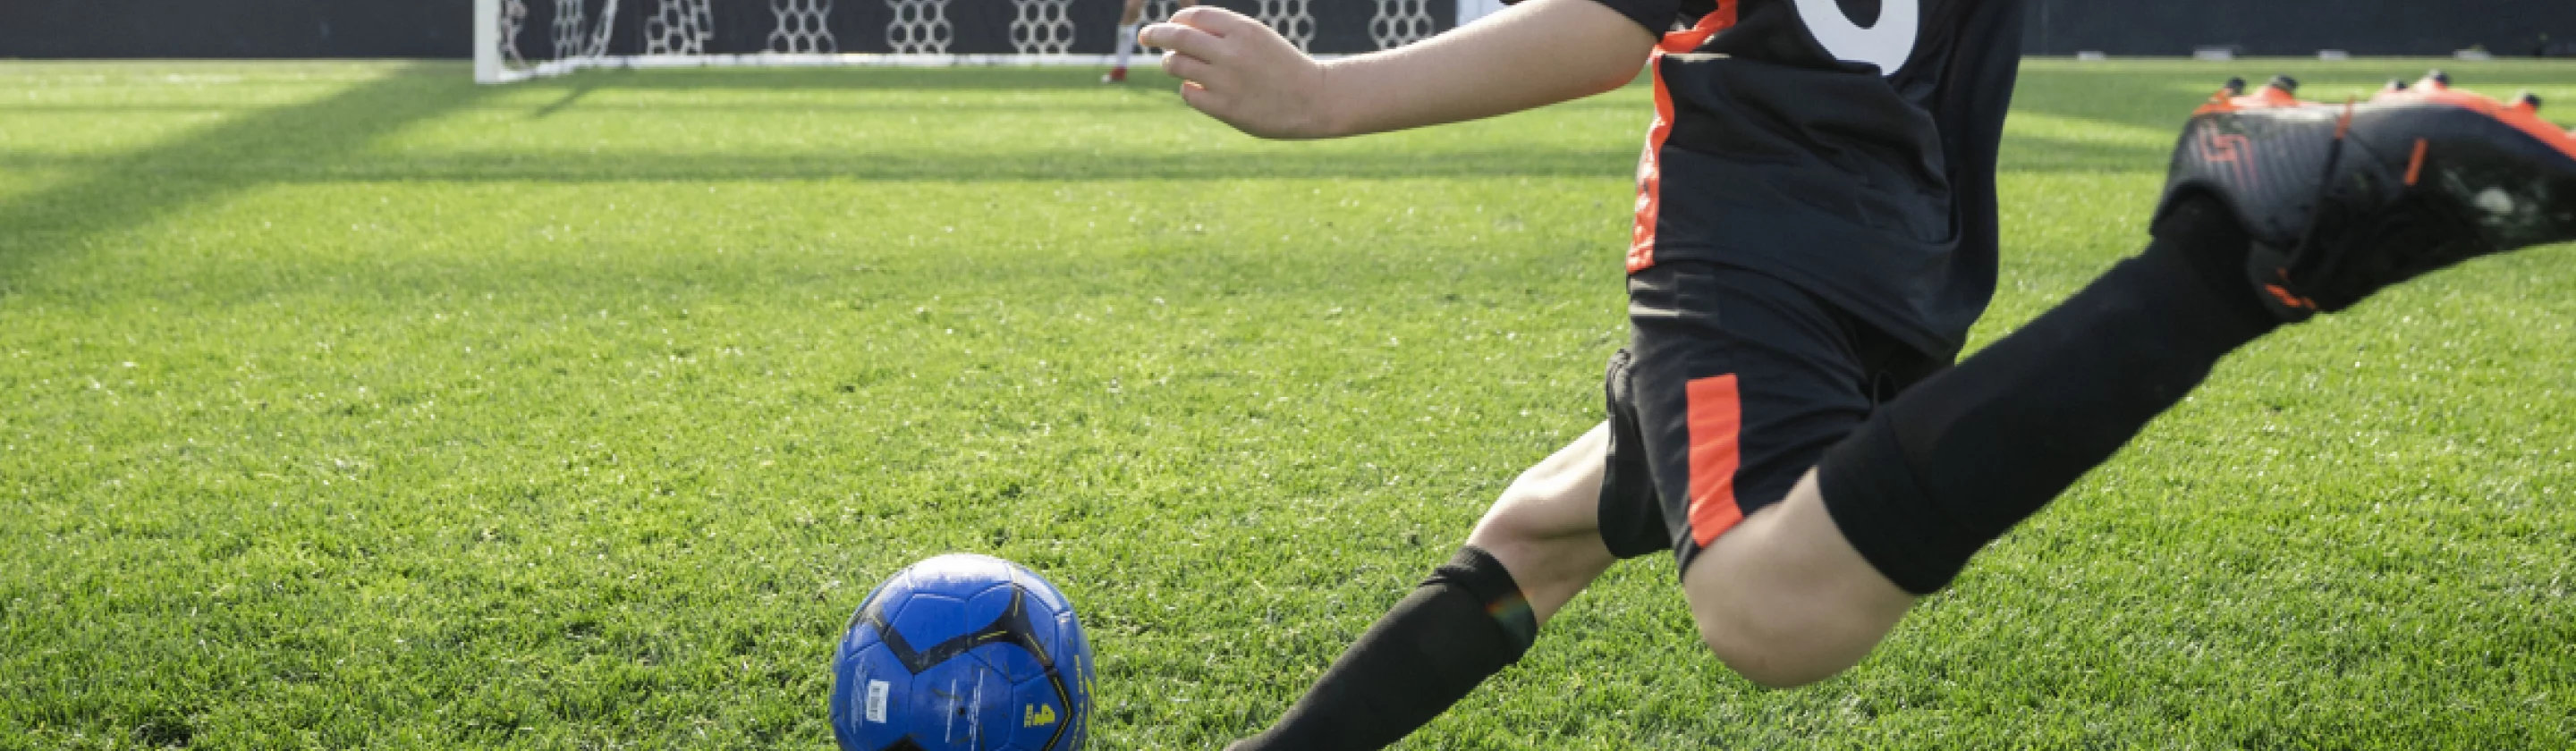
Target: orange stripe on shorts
column 1716, row 425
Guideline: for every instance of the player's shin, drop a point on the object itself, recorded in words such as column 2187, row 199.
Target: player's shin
column 1962, row 457
column 1465, row 623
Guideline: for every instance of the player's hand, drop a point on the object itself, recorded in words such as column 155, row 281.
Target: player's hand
column 1236, row 69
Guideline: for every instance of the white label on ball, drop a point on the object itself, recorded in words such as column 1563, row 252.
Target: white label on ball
column 876, row 701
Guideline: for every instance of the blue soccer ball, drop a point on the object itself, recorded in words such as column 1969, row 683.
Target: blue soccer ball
column 963, row 653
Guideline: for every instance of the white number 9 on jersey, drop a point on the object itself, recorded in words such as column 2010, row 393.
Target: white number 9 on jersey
column 1886, row 44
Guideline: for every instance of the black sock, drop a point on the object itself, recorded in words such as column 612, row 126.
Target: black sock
column 1464, row 624
column 1962, row 457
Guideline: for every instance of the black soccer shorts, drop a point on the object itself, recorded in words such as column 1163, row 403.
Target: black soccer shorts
column 1732, row 386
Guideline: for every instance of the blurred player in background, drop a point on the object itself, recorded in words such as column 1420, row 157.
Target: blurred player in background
column 1127, row 20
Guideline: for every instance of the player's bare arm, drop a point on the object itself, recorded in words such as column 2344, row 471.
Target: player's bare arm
column 1538, row 53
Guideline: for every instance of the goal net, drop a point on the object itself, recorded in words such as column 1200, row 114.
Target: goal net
column 520, row 39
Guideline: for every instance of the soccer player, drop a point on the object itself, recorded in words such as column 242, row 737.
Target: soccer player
column 1815, row 231
column 1127, row 18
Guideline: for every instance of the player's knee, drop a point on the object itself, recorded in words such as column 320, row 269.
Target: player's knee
column 1523, row 503
column 1771, row 658
column 1528, row 510
column 1519, row 534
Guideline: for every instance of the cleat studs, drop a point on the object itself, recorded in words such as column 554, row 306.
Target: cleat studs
column 2528, row 101
column 2285, row 83
column 2396, row 85
column 2438, row 79
column 2236, row 86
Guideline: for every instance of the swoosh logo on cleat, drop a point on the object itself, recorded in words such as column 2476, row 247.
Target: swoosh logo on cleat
column 2231, row 149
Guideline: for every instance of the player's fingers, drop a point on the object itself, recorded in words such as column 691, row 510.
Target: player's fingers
column 1214, row 20
column 1185, row 67
column 1199, row 98
column 1181, row 39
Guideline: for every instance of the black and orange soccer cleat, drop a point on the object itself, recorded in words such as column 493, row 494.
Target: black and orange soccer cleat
column 2346, row 199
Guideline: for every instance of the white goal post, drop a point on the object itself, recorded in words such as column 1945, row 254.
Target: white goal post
column 517, row 40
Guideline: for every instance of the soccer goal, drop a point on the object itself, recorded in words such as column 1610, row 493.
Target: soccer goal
column 516, row 40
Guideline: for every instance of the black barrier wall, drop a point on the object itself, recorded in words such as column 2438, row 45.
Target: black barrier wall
column 441, row 28
column 236, row 28
column 2302, row 27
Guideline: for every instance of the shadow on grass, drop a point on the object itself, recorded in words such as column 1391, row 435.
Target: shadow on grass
column 326, row 141
column 572, row 94
column 123, row 191
column 2160, row 95
column 913, row 166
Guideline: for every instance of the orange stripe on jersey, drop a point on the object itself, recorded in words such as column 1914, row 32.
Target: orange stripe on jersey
column 1709, row 25
column 1650, row 178
column 2415, row 164
column 1716, row 425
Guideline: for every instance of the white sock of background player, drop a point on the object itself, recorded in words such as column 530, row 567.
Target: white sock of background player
column 1126, row 44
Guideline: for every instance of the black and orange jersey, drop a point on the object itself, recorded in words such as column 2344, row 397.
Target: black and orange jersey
column 1845, row 147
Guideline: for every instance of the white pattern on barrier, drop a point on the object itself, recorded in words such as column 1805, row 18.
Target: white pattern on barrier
column 679, row 27
column 920, row 27
column 1401, row 22
column 1291, row 19
column 1042, row 27
column 681, row 34
column 803, row 27
column 567, row 28
column 514, row 18
column 572, row 40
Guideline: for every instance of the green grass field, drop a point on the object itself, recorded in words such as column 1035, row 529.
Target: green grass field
column 351, row 405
